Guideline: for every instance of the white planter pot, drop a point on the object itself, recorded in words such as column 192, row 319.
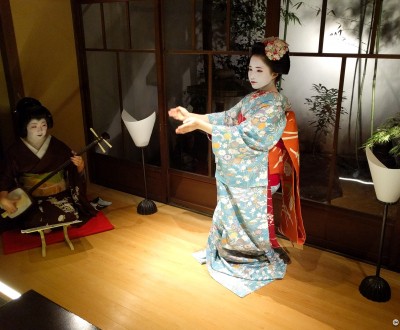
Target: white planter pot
column 386, row 180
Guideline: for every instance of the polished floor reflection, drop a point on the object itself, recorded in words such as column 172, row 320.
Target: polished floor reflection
column 142, row 275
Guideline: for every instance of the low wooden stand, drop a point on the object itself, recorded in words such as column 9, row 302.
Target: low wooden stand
column 41, row 230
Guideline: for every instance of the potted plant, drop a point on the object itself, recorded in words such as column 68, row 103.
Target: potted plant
column 383, row 147
column 385, row 142
column 383, row 155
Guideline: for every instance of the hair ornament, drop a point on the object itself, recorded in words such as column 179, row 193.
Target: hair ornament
column 275, row 48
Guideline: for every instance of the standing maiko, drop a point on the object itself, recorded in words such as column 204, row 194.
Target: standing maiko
column 242, row 252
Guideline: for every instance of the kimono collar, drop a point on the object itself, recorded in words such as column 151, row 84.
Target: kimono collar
column 42, row 151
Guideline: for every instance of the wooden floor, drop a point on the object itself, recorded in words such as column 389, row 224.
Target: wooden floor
column 141, row 275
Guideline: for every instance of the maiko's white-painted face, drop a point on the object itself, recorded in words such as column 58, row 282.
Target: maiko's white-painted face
column 260, row 75
column 36, row 131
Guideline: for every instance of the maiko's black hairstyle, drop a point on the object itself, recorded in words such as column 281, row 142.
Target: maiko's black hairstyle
column 29, row 108
column 281, row 66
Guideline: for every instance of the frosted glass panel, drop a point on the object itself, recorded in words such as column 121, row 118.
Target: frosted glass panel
column 142, row 24
column 104, row 97
column 178, row 28
column 116, row 25
column 345, row 24
column 302, row 32
column 92, row 26
column 390, row 25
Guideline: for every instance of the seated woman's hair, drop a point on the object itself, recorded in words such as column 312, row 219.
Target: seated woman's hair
column 275, row 54
column 29, row 108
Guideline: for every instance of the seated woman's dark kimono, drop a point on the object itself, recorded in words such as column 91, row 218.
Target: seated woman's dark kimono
column 60, row 199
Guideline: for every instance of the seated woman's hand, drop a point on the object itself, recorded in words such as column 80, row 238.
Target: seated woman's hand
column 179, row 113
column 9, row 205
column 78, row 162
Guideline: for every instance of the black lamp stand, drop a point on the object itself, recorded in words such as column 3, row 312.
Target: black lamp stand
column 146, row 206
column 374, row 287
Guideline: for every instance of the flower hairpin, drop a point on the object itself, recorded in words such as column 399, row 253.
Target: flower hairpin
column 275, row 48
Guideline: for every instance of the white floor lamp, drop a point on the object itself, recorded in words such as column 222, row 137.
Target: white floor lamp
column 140, row 132
column 387, row 189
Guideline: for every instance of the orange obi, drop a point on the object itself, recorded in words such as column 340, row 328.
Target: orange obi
column 283, row 159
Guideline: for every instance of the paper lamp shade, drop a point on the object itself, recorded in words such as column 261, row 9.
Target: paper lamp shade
column 386, row 180
column 139, row 130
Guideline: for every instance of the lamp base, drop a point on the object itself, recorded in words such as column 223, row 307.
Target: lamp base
column 146, row 206
column 375, row 288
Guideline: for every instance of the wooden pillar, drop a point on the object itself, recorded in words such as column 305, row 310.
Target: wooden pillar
column 272, row 18
column 9, row 54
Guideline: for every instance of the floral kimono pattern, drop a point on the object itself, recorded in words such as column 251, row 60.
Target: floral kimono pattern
column 239, row 253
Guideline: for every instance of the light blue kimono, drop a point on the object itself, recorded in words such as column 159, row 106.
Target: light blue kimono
column 239, row 254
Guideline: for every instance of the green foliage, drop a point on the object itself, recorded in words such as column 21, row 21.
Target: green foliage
column 389, row 131
column 248, row 23
column 247, row 26
column 324, row 107
column 288, row 16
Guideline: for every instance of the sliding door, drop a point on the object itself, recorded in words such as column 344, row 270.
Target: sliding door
column 149, row 56
column 119, row 61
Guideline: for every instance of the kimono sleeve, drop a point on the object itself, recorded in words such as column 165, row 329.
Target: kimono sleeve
column 241, row 151
column 226, row 118
column 263, row 127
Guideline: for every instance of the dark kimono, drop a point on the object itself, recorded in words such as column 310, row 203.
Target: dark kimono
column 62, row 198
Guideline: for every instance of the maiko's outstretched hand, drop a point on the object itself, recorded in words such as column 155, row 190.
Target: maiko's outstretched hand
column 190, row 121
column 179, row 113
column 189, row 125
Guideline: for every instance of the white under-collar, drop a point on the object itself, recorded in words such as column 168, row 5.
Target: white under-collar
column 39, row 152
